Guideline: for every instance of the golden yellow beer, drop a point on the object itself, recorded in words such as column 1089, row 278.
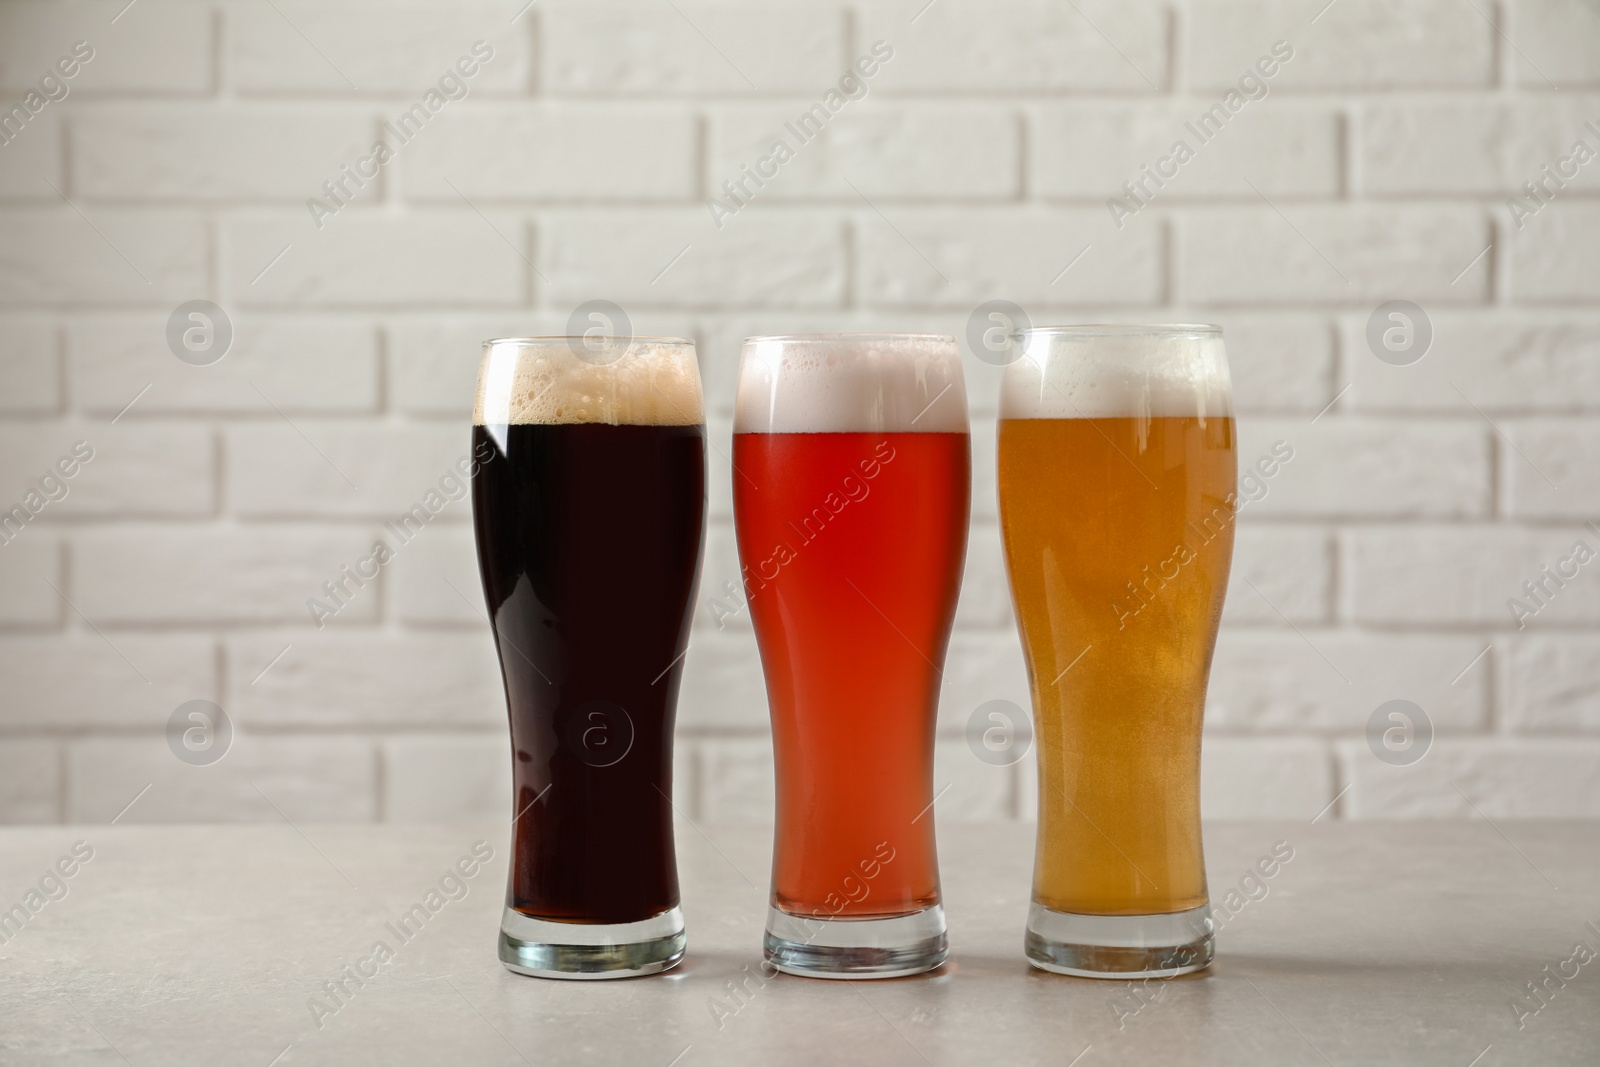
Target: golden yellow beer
column 1118, row 536
column 1117, row 479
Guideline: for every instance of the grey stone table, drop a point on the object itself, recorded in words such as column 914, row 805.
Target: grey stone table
column 1404, row 943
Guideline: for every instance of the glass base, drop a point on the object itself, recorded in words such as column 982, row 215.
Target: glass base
column 856, row 948
column 547, row 949
column 1120, row 946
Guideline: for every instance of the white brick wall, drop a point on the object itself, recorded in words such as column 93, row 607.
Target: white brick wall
column 1378, row 565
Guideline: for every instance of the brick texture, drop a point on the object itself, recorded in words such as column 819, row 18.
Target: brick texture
column 894, row 151
column 30, row 370
column 201, row 152
column 636, row 49
column 1360, row 44
column 275, row 366
column 512, row 152
column 1421, row 544
column 29, row 566
column 303, row 47
column 1286, row 149
column 89, row 680
column 1560, row 40
column 1022, row 47
column 31, row 792
column 166, row 50
column 55, row 255
column 1475, row 145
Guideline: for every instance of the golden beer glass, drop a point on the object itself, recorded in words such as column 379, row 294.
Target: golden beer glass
column 1117, row 479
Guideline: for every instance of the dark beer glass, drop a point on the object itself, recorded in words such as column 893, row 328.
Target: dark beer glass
column 589, row 506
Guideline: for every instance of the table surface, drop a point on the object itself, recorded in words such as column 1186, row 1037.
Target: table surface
column 1404, row 943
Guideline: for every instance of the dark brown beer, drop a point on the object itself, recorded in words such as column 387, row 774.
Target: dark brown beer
column 589, row 538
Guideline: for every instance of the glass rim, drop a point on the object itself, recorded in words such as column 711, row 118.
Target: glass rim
column 564, row 339
column 869, row 335
column 1125, row 329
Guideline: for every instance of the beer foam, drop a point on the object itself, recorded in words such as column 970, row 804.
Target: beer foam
column 1097, row 372
column 851, row 383
column 652, row 381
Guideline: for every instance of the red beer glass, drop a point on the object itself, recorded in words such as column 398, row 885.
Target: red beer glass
column 851, row 498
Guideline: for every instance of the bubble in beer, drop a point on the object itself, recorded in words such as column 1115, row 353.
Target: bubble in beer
column 199, row 332
column 600, row 733
column 1399, row 733
column 1099, row 371
column 1399, row 333
column 638, row 381
column 851, row 383
column 199, row 733
column 999, row 733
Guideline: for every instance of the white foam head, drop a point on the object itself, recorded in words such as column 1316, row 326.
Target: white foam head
column 646, row 381
column 1096, row 372
column 851, row 383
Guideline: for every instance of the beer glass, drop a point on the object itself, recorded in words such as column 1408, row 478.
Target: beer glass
column 851, row 493
column 589, row 505
column 1117, row 474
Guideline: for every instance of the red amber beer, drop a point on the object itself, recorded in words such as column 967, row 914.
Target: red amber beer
column 851, row 498
column 1117, row 475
